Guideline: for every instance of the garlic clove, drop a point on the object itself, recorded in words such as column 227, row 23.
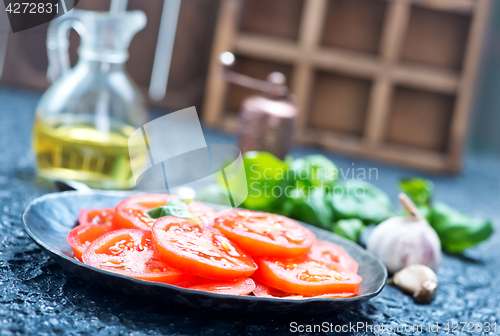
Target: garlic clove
column 418, row 280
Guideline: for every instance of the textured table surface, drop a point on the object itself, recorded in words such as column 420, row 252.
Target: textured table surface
column 38, row 297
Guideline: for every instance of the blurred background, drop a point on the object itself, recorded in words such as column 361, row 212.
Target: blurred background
column 411, row 83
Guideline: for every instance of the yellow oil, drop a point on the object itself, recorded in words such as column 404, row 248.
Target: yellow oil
column 78, row 151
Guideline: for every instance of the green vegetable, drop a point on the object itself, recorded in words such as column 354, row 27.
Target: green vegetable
column 349, row 228
column 176, row 207
column 265, row 178
column 362, row 200
column 458, row 231
column 418, row 189
column 312, row 171
column 310, row 208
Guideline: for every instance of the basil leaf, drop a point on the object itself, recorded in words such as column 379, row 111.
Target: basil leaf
column 309, row 208
column 362, row 200
column 456, row 230
column 265, row 178
column 349, row 228
column 175, row 207
column 418, row 189
column 314, row 171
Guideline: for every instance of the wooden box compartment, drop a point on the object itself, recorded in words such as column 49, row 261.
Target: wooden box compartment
column 339, row 103
column 436, row 38
column 420, row 119
column 279, row 18
column 354, row 25
column 256, row 68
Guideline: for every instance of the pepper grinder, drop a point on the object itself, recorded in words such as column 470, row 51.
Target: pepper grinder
column 267, row 120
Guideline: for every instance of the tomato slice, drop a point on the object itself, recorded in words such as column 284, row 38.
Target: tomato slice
column 265, row 235
column 130, row 252
column 82, row 235
column 203, row 212
column 262, row 290
column 306, row 276
column 200, row 249
column 328, row 252
column 131, row 213
column 241, row 286
column 96, row 216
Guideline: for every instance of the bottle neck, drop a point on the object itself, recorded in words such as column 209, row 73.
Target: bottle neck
column 99, row 66
column 108, row 57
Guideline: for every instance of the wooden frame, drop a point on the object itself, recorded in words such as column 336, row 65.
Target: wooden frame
column 385, row 72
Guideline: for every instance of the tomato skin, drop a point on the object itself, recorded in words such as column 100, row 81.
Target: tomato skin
column 305, row 276
column 262, row 290
column 200, row 249
column 83, row 235
column 262, row 234
column 96, row 216
column 329, row 252
column 131, row 213
column 131, row 252
column 241, row 286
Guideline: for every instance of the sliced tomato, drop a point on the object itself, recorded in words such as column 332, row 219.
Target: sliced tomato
column 203, row 212
column 306, row 276
column 130, row 252
column 266, row 291
column 96, row 216
column 82, row 235
column 264, row 234
column 241, row 286
column 200, row 249
column 326, row 251
column 131, row 213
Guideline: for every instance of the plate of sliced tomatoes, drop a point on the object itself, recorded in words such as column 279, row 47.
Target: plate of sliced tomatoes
column 197, row 255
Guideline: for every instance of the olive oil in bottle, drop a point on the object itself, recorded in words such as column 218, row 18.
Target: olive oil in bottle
column 78, row 151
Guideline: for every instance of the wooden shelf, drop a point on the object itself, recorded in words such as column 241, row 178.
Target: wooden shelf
column 272, row 48
column 419, row 76
column 458, row 6
column 347, row 62
column 326, row 58
column 420, row 159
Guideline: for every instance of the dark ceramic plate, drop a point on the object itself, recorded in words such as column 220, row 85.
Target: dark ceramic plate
column 49, row 218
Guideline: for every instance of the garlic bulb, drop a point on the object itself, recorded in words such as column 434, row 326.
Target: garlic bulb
column 403, row 241
column 418, row 280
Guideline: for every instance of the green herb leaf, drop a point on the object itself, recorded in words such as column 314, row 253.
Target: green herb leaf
column 265, row 178
column 313, row 170
column 458, row 231
column 349, row 228
column 309, row 208
column 362, row 200
column 176, row 207
column 418, row 189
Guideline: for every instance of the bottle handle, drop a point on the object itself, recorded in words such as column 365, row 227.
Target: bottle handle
column 58, row 43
